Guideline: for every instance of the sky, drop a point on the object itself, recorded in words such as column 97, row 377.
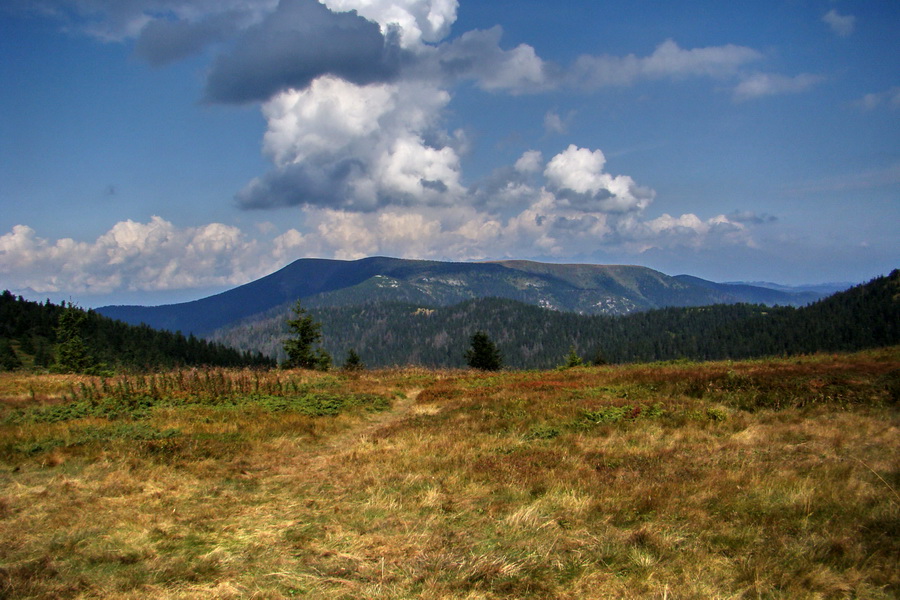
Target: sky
column 156, row 151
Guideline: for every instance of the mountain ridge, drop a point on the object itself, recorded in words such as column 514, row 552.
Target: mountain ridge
column 395, row 333
column 579, row 288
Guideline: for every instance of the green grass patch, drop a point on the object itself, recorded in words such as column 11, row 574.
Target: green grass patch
column 140, row 407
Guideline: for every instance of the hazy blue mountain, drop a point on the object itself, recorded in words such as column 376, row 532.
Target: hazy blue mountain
column 825, row 289
column 786, row 296
column 585, row 289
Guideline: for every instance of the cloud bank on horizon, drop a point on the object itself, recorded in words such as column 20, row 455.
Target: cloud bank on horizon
column 355, row 96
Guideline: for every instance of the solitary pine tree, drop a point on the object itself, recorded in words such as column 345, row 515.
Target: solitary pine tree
column 301, row 347
column 572, row 359
column 483, row 354
column 353, row 362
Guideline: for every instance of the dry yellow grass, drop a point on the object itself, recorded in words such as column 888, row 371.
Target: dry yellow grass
column 762, row 479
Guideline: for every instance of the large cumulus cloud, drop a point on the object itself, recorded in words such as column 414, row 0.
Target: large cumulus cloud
column 357, row 147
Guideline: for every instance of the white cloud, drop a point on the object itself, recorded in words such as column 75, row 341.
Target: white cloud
column 531, row 161
column 157, row 255
column 359, row 147
column 843, row 25
column 890, row 98
column 131, row 256
column 685, row 231
column 667, row 61
column 529, row 220
column 477, row 55
column 580, row 170
column 759, row 85
column 322, row 119
column 554, row 123
column 419, row 20
column 412, row 172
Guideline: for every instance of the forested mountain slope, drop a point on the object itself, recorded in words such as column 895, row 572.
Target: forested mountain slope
column 386, row 334
column 586, row 289
column 28, row 337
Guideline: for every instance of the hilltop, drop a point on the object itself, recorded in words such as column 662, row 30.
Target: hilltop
column 583, row 289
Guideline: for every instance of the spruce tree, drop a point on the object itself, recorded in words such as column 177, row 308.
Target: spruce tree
column 353, row 362
column 572, row 359
column 71, row 351
column 9, row 360
column 483, row 354
column 300, row 348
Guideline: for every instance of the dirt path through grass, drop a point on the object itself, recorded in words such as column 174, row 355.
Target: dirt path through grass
column 303, row 503
column 342, row 447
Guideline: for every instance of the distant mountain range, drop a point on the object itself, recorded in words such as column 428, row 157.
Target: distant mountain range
column 577, row 288
column 529, row 337
column 819, row 288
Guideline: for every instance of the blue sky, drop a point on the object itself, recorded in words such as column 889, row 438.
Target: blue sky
column 160, row 150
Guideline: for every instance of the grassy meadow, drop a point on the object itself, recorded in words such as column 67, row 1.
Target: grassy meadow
column 754, row 479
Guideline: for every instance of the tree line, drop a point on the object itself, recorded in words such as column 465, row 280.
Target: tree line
column 389, row 334
column 64, row 337
column 482, row 333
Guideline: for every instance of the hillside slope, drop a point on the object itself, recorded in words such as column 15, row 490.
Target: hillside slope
column 395, row 333
column 29, row 337
column 586, row 289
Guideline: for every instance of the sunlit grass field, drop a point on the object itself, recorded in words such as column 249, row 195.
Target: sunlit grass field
column 757, row 479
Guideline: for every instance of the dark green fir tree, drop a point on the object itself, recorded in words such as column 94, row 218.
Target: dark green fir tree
column 302, row 347
column 71, row 352
column 483, row 354
column 353, row 362
column 9, row 360
column 572, row 359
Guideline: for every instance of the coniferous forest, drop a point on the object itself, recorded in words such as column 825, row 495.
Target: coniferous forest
column 40, row 335
column 389, row 334
column 66, row 338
